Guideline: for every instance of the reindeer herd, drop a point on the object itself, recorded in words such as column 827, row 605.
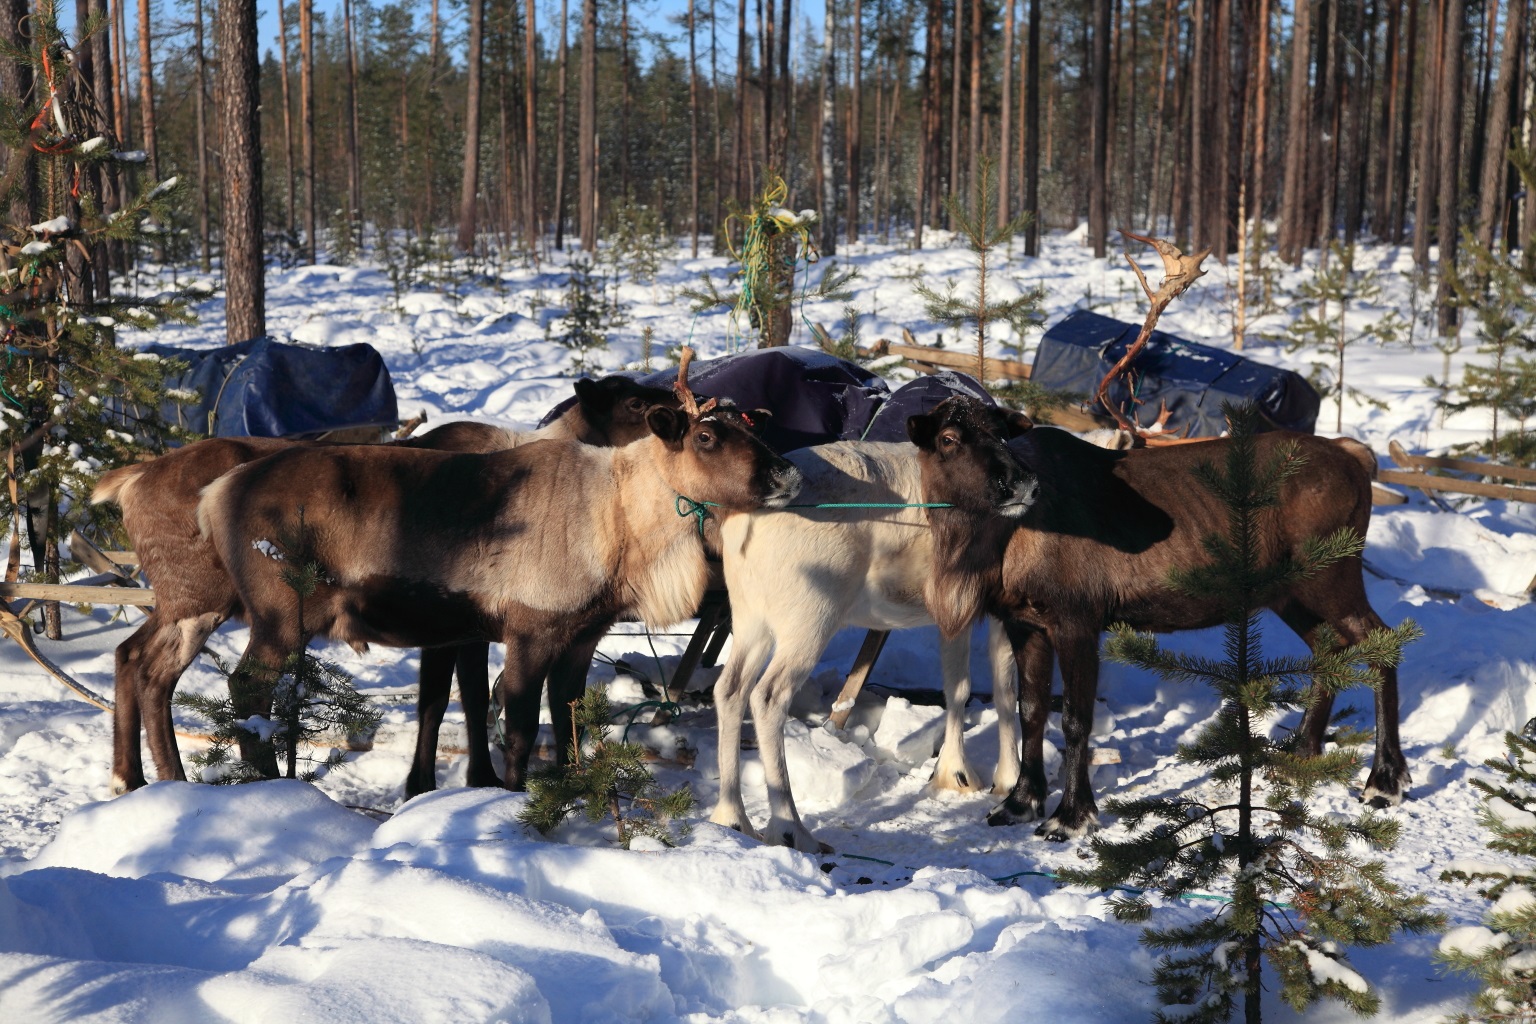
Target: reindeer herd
column 542, row 541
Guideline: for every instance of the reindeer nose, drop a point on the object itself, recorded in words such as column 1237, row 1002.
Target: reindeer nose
column 785, row 483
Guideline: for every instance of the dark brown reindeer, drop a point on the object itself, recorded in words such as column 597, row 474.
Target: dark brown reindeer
column 542, row 548
column 194, row 595
column 1059, row 539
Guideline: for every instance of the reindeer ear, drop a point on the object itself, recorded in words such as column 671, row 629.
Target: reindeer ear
column 1009, row 423
column 922, row 429
column 668, row 424
column 593, row 396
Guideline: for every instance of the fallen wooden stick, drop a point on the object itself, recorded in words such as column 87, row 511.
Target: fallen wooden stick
column 86, row 592
column 1452, row 485
column 1401, row 456
column 996, row 368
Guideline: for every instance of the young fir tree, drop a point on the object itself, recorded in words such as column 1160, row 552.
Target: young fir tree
column 1492, row 285
column 72, row 401
column 605, row 779
column 1299, row 895
column 982, row 234
column 776, row 249
column 312, row 699
column 1325, row 327
column 1501, row 953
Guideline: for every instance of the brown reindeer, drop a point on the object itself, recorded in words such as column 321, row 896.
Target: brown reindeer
column 1059, row 539
column 194, row 595
column 542, row 548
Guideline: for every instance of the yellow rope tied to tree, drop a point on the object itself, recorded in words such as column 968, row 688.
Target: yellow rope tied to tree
column 773, row 240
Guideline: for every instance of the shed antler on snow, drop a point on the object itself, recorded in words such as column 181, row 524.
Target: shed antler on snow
column 685, row 396
column 1179, row 272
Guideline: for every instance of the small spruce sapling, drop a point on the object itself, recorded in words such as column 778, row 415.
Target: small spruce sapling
column 589, row 315
column 1494, row 287
column 312, row 698
column 605, row 778
column 1299, row 896
column 1501, row 952
column 1325, row 328
column 982, row 234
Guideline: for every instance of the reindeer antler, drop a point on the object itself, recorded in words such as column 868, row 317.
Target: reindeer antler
column 685, row 395
column 1179, row 272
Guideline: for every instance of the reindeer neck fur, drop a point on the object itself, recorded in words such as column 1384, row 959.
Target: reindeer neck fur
column 968, row 551
column 658, row 554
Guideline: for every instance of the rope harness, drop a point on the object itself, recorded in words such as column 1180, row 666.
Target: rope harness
column 700, row 509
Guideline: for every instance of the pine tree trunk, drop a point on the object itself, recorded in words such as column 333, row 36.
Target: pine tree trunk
column 1492, row 194
column 739, row 140
column 1296, row 132
column 928, row 166
column 470, row 183
column 1386, row 178
column 16, row 79
column 282, row 49
column 307, row 121
column 786, row 87
column 1131, row 120
column 240, row 149
column 1098, row 185
column 1254, row 196
column 1423, row 207
column 1402, row 154
column 560, row 129
column 147, row 92
column 624, row 100
column 118, row 32
column 1450, row 164
column 717, row 136
column 1159, row 182
column 765, row 33
column 1032, row 134
column 973, row 146
column 825, row 173
column 532, row 222
column 203, row 183
column 354, row 133
column 855, row 128
column 1005, row 128
column 586, row 128
column 693, row 130
column 954, row 106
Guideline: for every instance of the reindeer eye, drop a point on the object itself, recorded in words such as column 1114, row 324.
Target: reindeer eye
column 947, row 440
column 705, row 437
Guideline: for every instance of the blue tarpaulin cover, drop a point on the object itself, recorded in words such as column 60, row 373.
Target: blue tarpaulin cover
column 920, row 396
column 264, row 388
column 1193, row 379
column 814, row 397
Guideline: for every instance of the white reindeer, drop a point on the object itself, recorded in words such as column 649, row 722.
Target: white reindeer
column 796, row 577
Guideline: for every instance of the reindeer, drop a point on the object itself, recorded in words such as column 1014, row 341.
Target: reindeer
column 1060, row 539
column 541, row 547
column 194, row 595
column 796, row 579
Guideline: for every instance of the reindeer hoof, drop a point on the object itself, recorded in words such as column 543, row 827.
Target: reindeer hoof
column 736, row 822
column 1057, row 830
column 1010, row 812
column 957, row 780
column 121, row 785
column 1385, row 789
column 796, row 837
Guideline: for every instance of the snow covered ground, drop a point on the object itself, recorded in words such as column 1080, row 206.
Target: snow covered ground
column 282, row 902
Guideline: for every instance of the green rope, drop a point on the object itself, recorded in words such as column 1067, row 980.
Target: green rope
column 1057, row 878
column 664, row 705
column 876, row 504
column 688, row 507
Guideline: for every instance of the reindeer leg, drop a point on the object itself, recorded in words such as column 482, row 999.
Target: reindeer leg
column 952, row 771
column 1077, row 814
column 567, row 683
column 250, row 689
column 750, row 645
column 1032, row 654
column 434, row 682
column 149, row 665
column 1313, row 730
column 470, row 665
column 790, row 666
column 522, row 681
column 1389, row 780
column 1005, row 698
